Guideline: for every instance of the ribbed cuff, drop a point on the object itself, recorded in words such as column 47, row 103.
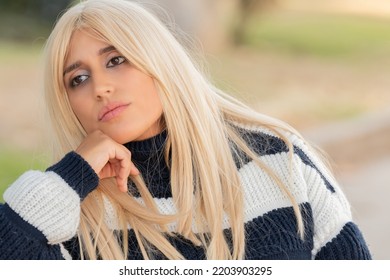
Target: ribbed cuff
column 77, row 173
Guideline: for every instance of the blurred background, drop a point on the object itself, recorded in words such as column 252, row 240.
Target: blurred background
column 322, row 66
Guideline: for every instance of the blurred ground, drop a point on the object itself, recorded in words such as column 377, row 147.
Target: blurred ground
column 360, row 153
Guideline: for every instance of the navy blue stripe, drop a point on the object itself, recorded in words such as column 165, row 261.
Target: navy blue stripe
column 306, row 160
column 26, row 227
column 21, row 241
column 271, row 236
column 260, row 143
column 349, row 244
column 274, row 235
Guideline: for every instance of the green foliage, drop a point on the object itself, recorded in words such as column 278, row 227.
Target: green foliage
column 48, row 9
column 13, row 163
column 320, row 35
column 19, row 27
column 20, row 52
column 26, row 20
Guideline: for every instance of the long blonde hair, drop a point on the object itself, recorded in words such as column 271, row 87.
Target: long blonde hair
column 201, row 123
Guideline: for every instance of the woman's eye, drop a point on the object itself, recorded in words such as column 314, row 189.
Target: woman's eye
column 76, row 81
column 116, row 61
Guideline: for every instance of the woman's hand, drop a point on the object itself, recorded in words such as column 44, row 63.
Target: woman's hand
column 108, row 158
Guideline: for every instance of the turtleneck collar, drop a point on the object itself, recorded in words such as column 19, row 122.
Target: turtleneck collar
column 145, row 149
column 148, row 157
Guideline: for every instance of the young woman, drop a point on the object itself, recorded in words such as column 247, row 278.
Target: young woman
column 154, row 162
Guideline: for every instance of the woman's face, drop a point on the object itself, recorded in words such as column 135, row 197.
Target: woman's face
column 107, row 93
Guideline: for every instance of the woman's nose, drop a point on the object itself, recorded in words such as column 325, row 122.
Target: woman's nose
column 103, row 85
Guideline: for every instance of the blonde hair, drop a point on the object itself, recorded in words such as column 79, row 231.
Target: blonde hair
column 201, row 122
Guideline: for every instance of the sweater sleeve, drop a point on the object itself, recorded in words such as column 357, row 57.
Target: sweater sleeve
column 336, row 236
column 42, row 209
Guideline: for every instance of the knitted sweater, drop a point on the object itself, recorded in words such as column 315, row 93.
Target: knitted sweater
column 42, row 211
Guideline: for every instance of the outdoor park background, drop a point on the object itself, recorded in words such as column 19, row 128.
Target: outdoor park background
column 322, row 66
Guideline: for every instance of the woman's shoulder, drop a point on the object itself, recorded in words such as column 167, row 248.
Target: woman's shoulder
column 278, row 148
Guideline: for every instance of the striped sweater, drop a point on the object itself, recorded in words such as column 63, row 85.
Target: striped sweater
column 41, row 215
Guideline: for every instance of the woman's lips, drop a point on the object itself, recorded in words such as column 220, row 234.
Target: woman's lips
column 110, row 111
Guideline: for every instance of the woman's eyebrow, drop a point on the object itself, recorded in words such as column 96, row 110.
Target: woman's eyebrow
column 77, row 63
column 106, row 49
column 71, row 67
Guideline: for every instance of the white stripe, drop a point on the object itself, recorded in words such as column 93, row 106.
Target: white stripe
column 46, row 201
column 330, row 210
